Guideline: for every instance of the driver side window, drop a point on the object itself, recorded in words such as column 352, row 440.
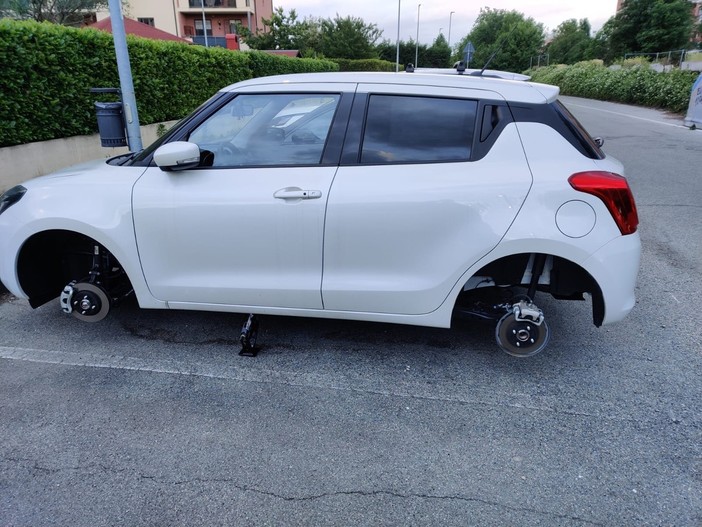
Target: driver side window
column 267, row 129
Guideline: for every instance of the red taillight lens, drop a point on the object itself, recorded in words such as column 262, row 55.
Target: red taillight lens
column 614, row 191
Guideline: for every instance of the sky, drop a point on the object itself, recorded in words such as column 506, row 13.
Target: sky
column 434, row 15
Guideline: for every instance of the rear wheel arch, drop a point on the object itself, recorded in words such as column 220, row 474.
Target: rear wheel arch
column 567, row 280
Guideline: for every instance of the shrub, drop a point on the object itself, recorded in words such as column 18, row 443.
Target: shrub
column 632, row 85
column 48, row 70
column 364, row 65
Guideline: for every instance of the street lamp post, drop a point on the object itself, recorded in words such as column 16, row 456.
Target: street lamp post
column 204, row 22
column 416, row 44
column 397, row 59
column 450, row 17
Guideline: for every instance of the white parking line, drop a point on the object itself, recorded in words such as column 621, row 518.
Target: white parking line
column 413, row 389
column 630, row 116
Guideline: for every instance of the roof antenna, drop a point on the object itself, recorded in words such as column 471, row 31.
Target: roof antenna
column 489, row 60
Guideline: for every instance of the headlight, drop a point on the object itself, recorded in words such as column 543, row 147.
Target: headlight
column 11, row 197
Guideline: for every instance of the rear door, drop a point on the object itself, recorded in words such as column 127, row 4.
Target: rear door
column 419, row 198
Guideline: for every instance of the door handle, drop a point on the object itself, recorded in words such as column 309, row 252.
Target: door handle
column 295, row 193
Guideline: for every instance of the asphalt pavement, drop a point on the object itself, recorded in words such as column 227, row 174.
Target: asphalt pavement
column 151, row 417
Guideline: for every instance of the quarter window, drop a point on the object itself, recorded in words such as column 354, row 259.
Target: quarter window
column 267, row 129
column 407, row 129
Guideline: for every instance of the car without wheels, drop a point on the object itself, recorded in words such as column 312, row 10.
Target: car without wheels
column 386, row 197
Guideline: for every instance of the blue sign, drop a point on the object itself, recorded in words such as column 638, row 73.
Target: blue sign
column 468, row 52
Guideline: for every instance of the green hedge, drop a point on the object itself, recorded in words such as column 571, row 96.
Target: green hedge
column 47, row 71
column 364, row 65
column 636, row 85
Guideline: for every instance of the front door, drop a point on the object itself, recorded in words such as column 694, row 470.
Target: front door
column 246, row 227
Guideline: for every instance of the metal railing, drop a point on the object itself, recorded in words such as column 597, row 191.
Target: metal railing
column 214, row 3
column 667, row 57
column 212, row 42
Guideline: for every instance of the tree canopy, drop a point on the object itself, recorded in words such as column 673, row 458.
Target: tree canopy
column 349, row 38
column 509, row 34
column 571, row 42
column 341, row 38
column 67, row 12
column 651, row 26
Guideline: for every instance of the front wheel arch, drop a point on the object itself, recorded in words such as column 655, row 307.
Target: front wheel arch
column 49, row 260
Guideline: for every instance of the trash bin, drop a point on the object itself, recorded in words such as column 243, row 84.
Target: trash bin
column 111, row 124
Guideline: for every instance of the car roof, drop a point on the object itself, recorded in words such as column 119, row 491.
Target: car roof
column 511, row 90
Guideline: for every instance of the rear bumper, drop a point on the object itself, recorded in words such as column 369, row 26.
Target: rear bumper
column 615, row 267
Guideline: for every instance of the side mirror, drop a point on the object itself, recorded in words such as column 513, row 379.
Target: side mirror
column 599, row 141
column 178, row 155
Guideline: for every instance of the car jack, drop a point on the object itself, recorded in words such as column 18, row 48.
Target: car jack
column 249, row 334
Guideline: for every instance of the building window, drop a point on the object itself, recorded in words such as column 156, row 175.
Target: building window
column 147, row 21
column 198, row 28
column 232, row 26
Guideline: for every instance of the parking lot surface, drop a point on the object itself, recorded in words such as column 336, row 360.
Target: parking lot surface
column 151, row 417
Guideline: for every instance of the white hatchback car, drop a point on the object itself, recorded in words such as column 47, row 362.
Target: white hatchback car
column 382, row 197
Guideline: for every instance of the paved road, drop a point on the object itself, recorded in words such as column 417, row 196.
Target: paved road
column 150, row 418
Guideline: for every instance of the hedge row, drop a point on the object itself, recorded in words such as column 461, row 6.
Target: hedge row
column 364, row 65
column 47, row 71
column 636, row 85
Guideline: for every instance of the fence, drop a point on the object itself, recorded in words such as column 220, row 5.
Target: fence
column 667, row 57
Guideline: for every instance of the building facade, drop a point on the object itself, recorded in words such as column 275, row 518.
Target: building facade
column 193, row 19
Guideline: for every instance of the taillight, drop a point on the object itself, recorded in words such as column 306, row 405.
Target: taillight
column 614, row 191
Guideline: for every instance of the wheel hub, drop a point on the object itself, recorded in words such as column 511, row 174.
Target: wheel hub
column 521, row 338
column 90, row 302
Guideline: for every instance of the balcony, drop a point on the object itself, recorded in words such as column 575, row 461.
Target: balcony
column 217, row 4
column 218, row 7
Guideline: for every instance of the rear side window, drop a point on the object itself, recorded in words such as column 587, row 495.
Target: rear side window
column 408, row 129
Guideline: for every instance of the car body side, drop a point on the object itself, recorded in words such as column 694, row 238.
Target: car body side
column 519, row 221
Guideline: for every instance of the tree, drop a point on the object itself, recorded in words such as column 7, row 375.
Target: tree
column 652, row 25
column 571, row 42
column 600, row 47
column 348, row 38
column 387, row 50
column 438, row 55
column 282, row 32
column 66, row 12
column 513, row 37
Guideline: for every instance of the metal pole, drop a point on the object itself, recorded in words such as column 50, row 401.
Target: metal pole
column 175, row 19
column 450, row 17
column 126, row 83
column 397, row 60
column 416, row 44
column 204, row 22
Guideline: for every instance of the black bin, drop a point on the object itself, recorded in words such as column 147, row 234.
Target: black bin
column 111, row 124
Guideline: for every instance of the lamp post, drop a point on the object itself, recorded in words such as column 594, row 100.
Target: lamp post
column 416, row 44
column 450, row 17
column 204, row 22
column 397, row 59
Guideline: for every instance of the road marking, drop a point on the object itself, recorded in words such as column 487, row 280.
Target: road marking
column 631, row 116
column 425, row 391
